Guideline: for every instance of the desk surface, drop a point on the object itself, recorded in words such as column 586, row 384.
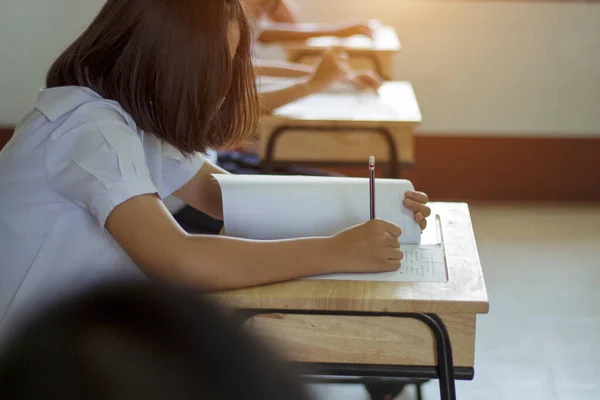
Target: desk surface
column 385, row 39
column 395, row 102
column 464, row 292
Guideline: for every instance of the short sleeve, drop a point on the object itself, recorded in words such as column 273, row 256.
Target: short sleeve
column 98, row 166
column 177, row 169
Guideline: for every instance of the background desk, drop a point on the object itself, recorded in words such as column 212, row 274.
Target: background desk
column 362, row 343
column 377, row 54
column 344, row 127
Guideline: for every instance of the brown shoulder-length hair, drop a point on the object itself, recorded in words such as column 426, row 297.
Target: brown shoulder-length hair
column 168, row 64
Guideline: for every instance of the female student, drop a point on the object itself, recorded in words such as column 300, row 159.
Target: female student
column 332, row 67
column 126, row 110
column 278, row 23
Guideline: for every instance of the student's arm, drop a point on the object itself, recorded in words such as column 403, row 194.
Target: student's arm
column 147, row 232
column 203, row 192
column 275, row 98
column 330, row 69
column 283, row 32
column 282, row 69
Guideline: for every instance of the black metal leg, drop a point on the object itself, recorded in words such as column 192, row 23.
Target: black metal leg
column 444, row 371
column 269, row 158
column 419, row 391
column 444, row 355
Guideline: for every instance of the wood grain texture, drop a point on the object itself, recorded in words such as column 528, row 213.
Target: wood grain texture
column 364, row 340
column 464, row 293
column 351, row 146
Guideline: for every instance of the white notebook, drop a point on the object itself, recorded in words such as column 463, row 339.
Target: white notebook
column 282, row 207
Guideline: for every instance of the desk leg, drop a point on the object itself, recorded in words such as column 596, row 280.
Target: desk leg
column 394, row 164
column 444, row 371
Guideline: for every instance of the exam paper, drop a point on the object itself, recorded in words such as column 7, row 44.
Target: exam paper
column 352, row 42
column 282, row 207
column 341, row 106
column 421, row 263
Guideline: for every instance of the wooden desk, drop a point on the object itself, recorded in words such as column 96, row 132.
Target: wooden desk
column 366, row 328
column 377, row 54
column 344, row 127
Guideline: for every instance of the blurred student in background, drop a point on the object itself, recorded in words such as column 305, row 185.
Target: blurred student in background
column 275, row 21
column 139, row 342
column 278, row 22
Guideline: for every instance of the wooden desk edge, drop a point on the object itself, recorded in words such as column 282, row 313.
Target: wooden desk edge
column 397, row 297
column 275, row 120
column 234, row 301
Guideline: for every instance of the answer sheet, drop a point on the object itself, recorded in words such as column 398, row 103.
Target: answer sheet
column 281, row 207
column 421, row 263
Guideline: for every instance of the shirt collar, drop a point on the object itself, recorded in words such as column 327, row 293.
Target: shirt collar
column 58, row 101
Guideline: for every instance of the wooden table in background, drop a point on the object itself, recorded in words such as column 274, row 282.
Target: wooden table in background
column 344, row 128
column 380, row 329
column 377, row 54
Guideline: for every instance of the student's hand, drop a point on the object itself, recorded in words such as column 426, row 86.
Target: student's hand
column 416, row 202
column 365, row 80
column 332, row 67
column 346, row 30
column 369, row 247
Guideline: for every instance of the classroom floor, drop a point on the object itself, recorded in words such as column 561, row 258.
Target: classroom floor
column 541, row 339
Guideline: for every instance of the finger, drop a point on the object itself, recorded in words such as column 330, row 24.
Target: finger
column 417, row 207
column 392, row 229
column 394, row 254
column 365, row 29
column 419, row 197
column 358, row 82
column 368, row 81
column 393, row 242
column 419, row 217
column 421, row 220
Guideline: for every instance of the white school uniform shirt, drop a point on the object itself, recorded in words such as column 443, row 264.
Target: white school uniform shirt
column 72, row 160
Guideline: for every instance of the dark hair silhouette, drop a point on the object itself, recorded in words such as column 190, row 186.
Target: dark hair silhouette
column 140, row 342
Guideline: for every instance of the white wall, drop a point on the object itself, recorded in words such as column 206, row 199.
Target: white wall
column 477, row 66
column 32, row 35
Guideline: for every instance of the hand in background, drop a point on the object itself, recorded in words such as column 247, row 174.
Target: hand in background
column 365, row 80
column 347, row 30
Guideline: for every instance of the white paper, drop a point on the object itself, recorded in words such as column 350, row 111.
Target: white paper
column 342, row 104
column 282, row 207
column 421, row 263
column 352, row 42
